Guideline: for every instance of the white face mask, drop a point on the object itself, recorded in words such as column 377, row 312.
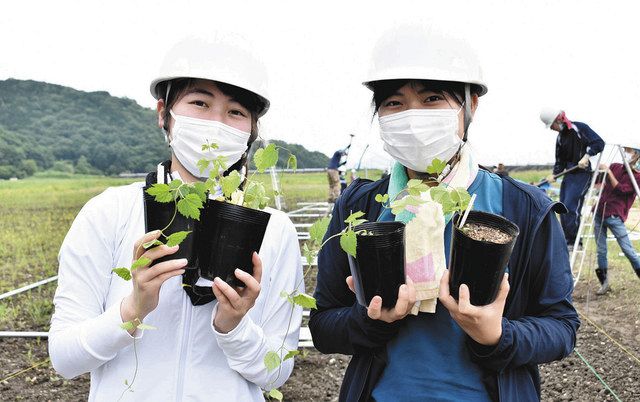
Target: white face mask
column 416, row 137
column 629, row 156
column 190, row 134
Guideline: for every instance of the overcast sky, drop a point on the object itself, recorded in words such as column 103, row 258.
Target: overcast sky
column 581, row 56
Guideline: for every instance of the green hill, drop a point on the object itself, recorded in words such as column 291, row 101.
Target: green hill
column 47, row 126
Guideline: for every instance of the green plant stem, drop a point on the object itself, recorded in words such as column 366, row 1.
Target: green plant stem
column 135, row 371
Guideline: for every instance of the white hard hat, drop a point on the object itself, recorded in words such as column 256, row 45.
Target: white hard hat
column 635, row 145
column 225, row 58
column 548, row 115
column 412, row 52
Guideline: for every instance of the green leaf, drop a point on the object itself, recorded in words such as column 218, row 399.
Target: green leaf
column 304, row 300
column 354, row 216
column 160, row 192
column 291, row 354
column 140, row 262
column 176, row 238
column 146, row 326
column 308, row 254
column 123, row 273
column 437, row 166
column 128, row 326
column 382, row 198
column 292, row 162
column 284, row 294
column 267, row 157
column 414, row 183
column 255, row 196
column 174, row 184
column 318, row 230
column 348, row 242
column 152, row 243
column 203, row 164
column 275, row 394
column 200, row 189
column 271, row 360
column 190, row 206
column 230, row 183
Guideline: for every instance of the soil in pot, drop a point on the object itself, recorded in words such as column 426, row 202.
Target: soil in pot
column 226, row 237
column 378, row 268
column 480, row 252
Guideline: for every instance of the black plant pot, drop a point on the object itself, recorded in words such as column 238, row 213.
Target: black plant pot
column 226, row 237
column 157, row 216
column 480, row 264
column 378, row 268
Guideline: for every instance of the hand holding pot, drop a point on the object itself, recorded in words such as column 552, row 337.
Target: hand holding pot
column 233, row 303
column 482, row 323
column 147, row 281
column 406, row 300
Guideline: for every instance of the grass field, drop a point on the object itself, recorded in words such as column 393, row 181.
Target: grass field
column 37, row 212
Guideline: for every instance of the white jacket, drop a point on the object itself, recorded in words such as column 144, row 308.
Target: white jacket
column 185, row 358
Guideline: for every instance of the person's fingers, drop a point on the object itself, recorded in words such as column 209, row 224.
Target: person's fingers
column 464, row 300
column 412, row 291
column 257, row 267
column 443, row 293
column 400, row 309
column 350, row 283
column 160, row 279
column 138, row 250
column 374, row 311
column 147, row 275
column 222, row 299
column 230, row 293
column 159, row 252
column 504, row 289
column 252, row 285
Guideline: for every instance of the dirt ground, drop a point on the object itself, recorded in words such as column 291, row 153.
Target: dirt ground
column 317, row 377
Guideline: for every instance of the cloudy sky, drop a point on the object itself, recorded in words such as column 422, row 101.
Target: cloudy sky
column 581, row 56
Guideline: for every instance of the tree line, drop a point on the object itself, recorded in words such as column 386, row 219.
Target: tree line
column 51, row 127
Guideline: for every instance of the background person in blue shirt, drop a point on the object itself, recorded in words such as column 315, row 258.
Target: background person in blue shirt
column 425, row 92
column 333, row 172
column 575, row 143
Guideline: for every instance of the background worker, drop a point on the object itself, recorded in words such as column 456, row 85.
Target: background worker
column 576, row 142
column 616, row 200
column 333, row 172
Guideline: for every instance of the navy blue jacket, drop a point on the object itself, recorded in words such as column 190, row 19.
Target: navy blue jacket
column 571, row 145
column 539, row 322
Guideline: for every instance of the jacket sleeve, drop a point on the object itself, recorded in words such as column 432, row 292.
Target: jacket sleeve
column 84, row 334
column 340, row 324
column 548, row 329
column 592, row 140
column 247, row 344
column 625, row 186
column 559, row 165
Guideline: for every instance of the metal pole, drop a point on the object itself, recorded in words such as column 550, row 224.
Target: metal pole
column 28, row 287
column 15, row 334
column 629, row 171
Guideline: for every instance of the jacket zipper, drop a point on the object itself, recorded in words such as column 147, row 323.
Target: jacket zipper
column 183, row 349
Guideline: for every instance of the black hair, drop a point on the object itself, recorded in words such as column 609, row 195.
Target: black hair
column 250, row 101
column 386, row 88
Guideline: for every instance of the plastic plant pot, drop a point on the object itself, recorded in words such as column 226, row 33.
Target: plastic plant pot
column 226, row 237
column 378, row 268
column 157, row 215
column 480, row 264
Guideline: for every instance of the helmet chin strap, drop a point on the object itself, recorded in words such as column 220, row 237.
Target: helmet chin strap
column 467, row 110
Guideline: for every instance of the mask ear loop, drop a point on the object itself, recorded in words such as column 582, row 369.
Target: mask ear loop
column 467, row 110
column 164, row 129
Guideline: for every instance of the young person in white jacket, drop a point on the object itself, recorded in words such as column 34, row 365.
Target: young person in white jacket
column 201, row 349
